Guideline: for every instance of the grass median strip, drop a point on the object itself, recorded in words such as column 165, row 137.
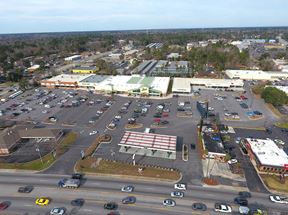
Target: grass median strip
column 47, row 160
column 94, row 165
column 273, row 182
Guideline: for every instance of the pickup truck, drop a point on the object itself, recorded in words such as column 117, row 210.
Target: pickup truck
column 69, row 183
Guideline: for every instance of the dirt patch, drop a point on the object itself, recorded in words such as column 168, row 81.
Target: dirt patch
column 133, row 126
column 210, row 181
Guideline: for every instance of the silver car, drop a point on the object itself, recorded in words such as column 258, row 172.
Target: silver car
column 177, row 194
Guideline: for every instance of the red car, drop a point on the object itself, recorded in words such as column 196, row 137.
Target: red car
column 243, row 97
column 165, row 114
column 4, row 205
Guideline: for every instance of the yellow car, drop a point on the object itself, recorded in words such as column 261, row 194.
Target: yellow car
column 42, row 201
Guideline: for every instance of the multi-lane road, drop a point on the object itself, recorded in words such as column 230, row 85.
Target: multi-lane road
column 98, row 190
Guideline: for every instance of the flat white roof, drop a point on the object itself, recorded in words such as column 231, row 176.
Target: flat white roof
column 149, row 141
column 183, row 84
column 267, row 152
column 68, row 78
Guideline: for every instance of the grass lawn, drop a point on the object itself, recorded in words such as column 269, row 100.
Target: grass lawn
column 273, row 182
column 110, row 167
column 282, row 124
column 47, row 159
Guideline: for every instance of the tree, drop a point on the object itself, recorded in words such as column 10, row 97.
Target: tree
column 23, row 84
column 274, row 96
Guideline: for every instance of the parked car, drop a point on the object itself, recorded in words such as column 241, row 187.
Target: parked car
column 244, row 105
column 232, row 161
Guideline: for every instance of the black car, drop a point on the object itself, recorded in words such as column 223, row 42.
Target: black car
column 26, row 189
column 245, row 194
column 244, row 105
column 78, row 202
column 110, row 206
column 129, row 200
column 199, row 207
column 241, row 201
column 193, row 146
column 77, row 176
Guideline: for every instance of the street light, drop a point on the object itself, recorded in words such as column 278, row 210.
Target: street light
column 38, row 150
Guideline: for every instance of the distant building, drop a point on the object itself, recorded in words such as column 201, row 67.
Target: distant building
column 115, row 55
column 130, row 54
column 73, row 58
column 33, row 68
column 267, row 155
column 155, row 45
column 10, row 138
column 185, row 85
column 124, row 84
column 171, row 68
column 274, row 46
column 172, row 56
column 255, row 75
column 191, row 45
column 85, row 70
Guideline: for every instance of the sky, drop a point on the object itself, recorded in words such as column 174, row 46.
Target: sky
column 29, row 16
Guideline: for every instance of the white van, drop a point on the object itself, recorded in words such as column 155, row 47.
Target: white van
column 147, row 130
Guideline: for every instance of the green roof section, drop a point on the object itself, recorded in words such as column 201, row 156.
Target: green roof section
column 147, row 81
column 134, row 80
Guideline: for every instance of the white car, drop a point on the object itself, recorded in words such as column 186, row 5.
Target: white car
column 127, row 189
column 244, row 210
column 227, row 114
column 232, row 161
column 177, row 194
column 99, row 111
column 118, row 117
column 222, row 207
column 280, row 142
column 279, row 199
column 169, row 203
column 93, row 132
column 57, row 211
column 180, row 186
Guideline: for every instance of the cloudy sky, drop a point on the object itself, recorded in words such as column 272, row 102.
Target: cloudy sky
column 23, row 16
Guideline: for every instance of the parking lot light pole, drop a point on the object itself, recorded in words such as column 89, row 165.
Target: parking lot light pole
column 38, row 150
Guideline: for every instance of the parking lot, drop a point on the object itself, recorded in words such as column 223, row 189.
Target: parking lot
column 93, row 114
column 228, row 104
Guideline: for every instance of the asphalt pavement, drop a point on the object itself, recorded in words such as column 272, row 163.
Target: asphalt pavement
column 98, row 190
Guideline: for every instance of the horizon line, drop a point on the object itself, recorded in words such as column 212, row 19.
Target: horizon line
column 148, row 29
